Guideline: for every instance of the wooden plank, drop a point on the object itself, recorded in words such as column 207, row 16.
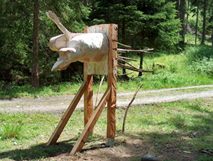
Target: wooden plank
column 58, row 130
column 91, row 123
column 112, row 74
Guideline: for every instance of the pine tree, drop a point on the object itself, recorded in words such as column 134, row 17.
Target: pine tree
column 35, row 59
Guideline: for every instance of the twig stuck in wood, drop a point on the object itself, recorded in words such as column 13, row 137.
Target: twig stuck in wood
column 127, row 108
column 133, row 68
column 125, row 58
column 101, row 82
column 124, row 45
column 133, row 50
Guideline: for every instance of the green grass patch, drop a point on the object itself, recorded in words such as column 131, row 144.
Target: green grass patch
column 184, row 126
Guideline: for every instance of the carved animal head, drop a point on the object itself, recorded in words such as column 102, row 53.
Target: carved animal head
column 84, row 47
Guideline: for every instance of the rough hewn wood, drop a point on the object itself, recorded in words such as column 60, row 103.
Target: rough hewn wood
column 58, row 130
column 112, row 72
column 90, row 124
column 88, row 99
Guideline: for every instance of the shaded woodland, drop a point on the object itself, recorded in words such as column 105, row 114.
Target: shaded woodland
column 25, row 31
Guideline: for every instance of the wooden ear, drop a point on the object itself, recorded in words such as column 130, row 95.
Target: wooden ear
column 51, row 15
column 72, row 50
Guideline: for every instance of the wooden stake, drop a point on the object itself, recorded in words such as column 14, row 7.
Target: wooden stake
column 91, row 123
column 58, row 130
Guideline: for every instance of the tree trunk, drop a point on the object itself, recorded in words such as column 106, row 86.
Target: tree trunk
column 35, row 61
column 204, row 23
column 141, row 65
column 123, row 35
column 182, row 12
column 196, row 26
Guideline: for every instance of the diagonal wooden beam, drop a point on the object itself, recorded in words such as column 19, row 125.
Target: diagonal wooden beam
column 58, row 130
column 91, row 123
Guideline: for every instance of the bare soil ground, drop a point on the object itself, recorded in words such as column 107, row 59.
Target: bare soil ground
column 130, row 148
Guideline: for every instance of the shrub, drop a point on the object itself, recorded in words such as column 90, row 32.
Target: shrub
column 200, row 59
column 203, row 66
column 195, row 54
column 9, row 131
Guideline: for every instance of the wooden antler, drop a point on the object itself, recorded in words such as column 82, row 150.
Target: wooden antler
column 51, row 15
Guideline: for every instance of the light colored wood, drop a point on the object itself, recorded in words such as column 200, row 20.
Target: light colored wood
column 112, row 74
column 58, row 130
column 90, row 124
column 99, row 68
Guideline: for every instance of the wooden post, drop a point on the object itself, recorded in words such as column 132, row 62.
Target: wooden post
column 112, row 72
column 88, row 99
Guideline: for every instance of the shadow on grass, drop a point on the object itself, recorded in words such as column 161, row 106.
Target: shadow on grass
column 184, row 143
column 38, row 151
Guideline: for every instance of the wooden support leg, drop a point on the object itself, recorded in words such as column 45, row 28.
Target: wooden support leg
column 88, row 100
column 91, row 123
column 54, row 137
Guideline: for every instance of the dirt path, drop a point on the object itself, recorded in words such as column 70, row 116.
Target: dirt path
column 56, row 104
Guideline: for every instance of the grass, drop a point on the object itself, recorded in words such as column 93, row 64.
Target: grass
column 182, row 126
column 10, row 131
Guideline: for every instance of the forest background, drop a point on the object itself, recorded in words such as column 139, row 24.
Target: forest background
column 163, row 25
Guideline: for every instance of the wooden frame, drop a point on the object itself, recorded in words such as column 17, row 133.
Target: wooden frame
column 109, row 97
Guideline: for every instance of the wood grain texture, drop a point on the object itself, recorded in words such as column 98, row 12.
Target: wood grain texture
column 112, row 79
column 88, row 99
column 91, row 123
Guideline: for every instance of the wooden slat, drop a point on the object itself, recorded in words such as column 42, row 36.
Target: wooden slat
column 112, row 73
column 58, row 130
column 91, row 123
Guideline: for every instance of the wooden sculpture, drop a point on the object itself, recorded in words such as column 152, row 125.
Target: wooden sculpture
column 97, row 49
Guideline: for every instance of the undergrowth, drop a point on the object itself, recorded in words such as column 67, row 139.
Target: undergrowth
column 194, row 66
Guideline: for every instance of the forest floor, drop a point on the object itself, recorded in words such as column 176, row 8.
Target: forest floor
column 57, row 104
